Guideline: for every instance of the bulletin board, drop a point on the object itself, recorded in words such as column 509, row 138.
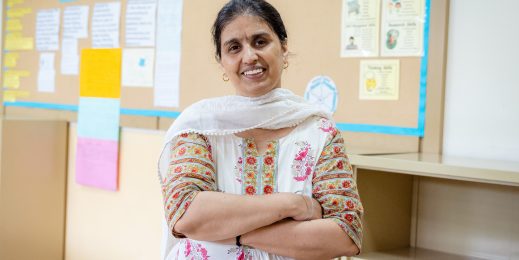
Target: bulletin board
column 314, row 38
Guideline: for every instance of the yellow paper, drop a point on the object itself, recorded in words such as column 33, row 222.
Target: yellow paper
column 16, row 41
column 18, row 73
column 12, row 78
column 100, row 73
column 14, row 25
column 12, row 95
column 9, row 97
column 12, row 3
column 18, row 12
column 11, row 59
column 11, row 82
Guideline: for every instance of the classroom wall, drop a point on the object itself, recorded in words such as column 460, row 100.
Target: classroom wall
column 480, row 121
column 473, row 219
column 118, row 225
column 482, row 86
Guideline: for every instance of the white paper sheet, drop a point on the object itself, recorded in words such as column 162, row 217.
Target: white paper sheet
column 46, row 73
column 47, row 30
column 75, row 21
column 137, row 67
column 140, row 23
column 359, row 28
column 105, row 25
column 69, row 56
column 402, row 27
column 168, row 49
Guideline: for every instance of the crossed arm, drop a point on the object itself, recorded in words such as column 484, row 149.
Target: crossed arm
column 273, row 223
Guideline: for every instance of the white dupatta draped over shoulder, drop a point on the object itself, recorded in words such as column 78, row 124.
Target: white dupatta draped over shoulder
column 280, row 108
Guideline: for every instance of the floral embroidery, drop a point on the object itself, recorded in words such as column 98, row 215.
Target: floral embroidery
column 190, row 166
column 238, row 170
column 241, row 253
column 250, row 190
column 194, row 251
column 257, row 173
column 335, row 189
column 268, row 160
column 327, row 126
column 269, row 168
column 303, row 162
column 251, row 160
column 340, row 165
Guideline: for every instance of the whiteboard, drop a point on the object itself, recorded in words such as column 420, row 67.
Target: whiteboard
column 482, row 80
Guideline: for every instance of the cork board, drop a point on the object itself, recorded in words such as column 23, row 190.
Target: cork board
column 314, row 42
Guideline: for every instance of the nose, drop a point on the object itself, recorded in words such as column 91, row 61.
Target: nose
column 250, row 56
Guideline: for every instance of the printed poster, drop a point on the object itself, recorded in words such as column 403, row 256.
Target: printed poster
column 402, row 27
column 359, row 28
column 379, row 79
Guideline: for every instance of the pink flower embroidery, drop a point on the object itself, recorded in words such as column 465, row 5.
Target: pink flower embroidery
column 303, row 162
column 241, row 256
column 327, row 126
column 187, row 251
column 238, row 170
column 241, row 253
column 195, row 251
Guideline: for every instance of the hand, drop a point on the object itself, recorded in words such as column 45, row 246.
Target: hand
column 309, row 209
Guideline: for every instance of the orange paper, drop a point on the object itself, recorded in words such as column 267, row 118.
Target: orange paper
column 100, row 73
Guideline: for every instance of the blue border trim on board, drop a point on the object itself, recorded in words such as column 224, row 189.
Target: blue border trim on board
column 423, row 70
column 380, row 129
column 74, row 108
column 51, row 106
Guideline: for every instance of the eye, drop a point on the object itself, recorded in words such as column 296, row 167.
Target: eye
column 233, row 48
column 260, row 42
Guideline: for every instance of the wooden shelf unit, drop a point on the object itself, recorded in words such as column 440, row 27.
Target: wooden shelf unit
column 390, row 188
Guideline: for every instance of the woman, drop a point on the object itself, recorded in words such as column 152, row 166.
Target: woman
column 262, row 174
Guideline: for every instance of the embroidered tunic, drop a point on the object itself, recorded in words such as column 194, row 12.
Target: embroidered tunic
column 311, row 160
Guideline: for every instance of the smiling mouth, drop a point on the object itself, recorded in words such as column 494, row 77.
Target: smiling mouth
column 253, row 73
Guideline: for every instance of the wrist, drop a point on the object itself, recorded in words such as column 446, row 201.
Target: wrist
column 296, row 205
column 245, row 239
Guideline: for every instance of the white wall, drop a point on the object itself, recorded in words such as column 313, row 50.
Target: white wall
column 482, row 87
column 471, row 219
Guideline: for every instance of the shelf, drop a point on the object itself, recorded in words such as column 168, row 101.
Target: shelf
column 440, row 166
column 411, row 253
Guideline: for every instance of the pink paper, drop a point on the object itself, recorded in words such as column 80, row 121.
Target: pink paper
column 97, row 163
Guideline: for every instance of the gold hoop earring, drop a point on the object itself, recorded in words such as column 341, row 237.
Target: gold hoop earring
column 225, row 77
column 285, row 65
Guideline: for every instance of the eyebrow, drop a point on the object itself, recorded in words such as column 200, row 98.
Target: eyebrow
column 254, row 36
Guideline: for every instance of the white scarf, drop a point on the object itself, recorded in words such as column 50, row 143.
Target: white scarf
column 280, row 108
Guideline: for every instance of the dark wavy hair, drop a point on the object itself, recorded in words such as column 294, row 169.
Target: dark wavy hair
column 235, row 8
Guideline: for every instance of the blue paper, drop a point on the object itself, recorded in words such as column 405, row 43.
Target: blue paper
column 98, row 118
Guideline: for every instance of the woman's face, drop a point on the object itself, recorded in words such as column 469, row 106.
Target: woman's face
column 252, row 56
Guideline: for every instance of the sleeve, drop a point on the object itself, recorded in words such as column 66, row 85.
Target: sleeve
column 191, row 170
column 335, row 188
